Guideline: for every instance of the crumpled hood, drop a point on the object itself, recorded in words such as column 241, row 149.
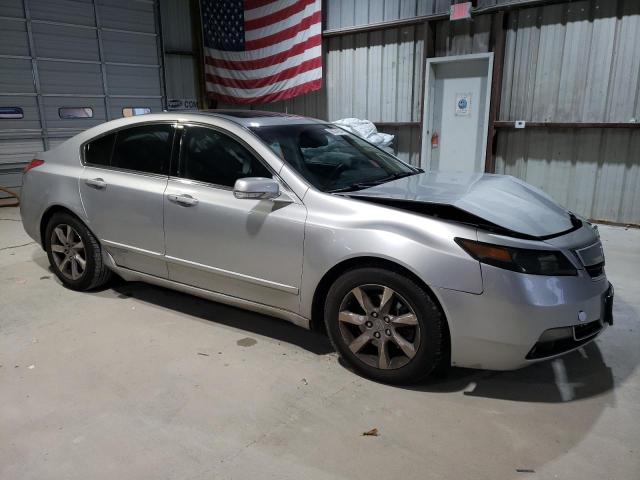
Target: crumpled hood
column 501, row 200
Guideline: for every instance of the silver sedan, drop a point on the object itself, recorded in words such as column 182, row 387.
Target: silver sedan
column 408, row 272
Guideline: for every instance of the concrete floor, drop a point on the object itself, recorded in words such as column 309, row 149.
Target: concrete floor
column 140, row 382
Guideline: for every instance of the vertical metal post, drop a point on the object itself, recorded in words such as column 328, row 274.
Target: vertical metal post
column 36, row 77
column 161, row 53
column 103, row 66
column 196, row 30
column 428, row 52
column 498, row 39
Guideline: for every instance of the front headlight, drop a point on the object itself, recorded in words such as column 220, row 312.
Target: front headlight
column 522, row 260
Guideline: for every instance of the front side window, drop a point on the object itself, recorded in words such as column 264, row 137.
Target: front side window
column 213, row 157
column 330, row 158
column 146, row 148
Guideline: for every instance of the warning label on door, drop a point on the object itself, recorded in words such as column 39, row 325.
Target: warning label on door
column 463, row 104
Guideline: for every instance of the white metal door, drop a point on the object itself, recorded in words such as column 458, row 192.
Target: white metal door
column 456, row 113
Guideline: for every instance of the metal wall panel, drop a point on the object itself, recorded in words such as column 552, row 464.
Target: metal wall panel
column 53, row 104
column 136, row 81
column 31, row 118
column 123, row 47
column 349, row 13
column 182, row 76
column 11, row 8
column 375, row 75
column 13, row 38
column 177, row 31
column 182, row 69
column 76, row 12
column 131, row 15
column 573, row 62
column 70, row 78
column 15, row 76
column 577, row 62
column 57, row 41
column 594, row 173
column 100, row 54
column 463, row 38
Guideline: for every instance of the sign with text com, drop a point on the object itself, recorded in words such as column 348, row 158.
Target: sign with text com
column 182, row 104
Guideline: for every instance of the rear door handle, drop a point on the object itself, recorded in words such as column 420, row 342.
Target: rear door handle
column 96, row 183
column 184, row 199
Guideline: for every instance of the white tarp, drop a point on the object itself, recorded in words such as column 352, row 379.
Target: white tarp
column 366, row 130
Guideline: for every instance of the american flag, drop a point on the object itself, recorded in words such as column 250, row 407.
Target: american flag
column 260, row 51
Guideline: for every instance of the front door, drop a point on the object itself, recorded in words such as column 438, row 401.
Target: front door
column 456, row 113
column 122, row 188
column 245, row 248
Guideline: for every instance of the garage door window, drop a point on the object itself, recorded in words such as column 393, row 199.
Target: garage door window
column 75, row 112
column 144, row 149
column 11, row 113
column 133, row 111
column 212, row 157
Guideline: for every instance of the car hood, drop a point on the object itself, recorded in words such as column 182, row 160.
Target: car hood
column 499, row 200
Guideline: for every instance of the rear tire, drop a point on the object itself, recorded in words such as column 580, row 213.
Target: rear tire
column 74, row 253
column 386, row 326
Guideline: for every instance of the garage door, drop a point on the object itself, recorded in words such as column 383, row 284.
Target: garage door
column 67, row 65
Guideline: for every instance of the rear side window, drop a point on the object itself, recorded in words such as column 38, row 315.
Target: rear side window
column 212, row 157
column 145, row 149
column 98, row 152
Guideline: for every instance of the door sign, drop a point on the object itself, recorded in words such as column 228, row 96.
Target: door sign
column 463, row 104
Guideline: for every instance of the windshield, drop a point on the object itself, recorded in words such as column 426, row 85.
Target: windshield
column 330, row 158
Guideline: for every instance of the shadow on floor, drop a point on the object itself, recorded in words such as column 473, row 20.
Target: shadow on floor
column 222, row 314
column 578, row 375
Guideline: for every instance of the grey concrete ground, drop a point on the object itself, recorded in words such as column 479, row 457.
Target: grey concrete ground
column 137, row 382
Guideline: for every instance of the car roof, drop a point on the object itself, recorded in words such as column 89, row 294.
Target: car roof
column 254, row 118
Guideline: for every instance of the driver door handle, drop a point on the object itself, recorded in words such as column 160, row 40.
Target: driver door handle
column 97, row 183
column 184, row 199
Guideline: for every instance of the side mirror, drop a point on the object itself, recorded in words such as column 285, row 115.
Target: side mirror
column 257, row 188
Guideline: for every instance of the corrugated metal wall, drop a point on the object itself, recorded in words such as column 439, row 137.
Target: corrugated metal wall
column 182, row 69
column 98, row 54
column 575, row 63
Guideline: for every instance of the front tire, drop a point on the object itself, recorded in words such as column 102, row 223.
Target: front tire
column 386, row 326
column 74, row 253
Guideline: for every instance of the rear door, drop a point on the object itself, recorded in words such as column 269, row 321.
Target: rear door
column 246, row 248
column 122, row 188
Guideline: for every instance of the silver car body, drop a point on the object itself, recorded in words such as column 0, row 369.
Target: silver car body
column 271, row 256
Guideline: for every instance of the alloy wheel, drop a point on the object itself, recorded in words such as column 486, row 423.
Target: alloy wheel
column 68, row 251
column 379, row 326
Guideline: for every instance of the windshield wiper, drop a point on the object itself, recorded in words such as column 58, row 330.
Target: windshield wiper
column 372, row 183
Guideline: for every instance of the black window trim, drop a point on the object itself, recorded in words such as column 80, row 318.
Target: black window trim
column 83, row 145
column 176, row 175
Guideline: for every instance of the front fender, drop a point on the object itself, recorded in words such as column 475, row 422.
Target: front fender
column 340, row 229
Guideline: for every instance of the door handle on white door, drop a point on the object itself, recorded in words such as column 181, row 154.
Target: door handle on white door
column 184, row 199
column 96, row 183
